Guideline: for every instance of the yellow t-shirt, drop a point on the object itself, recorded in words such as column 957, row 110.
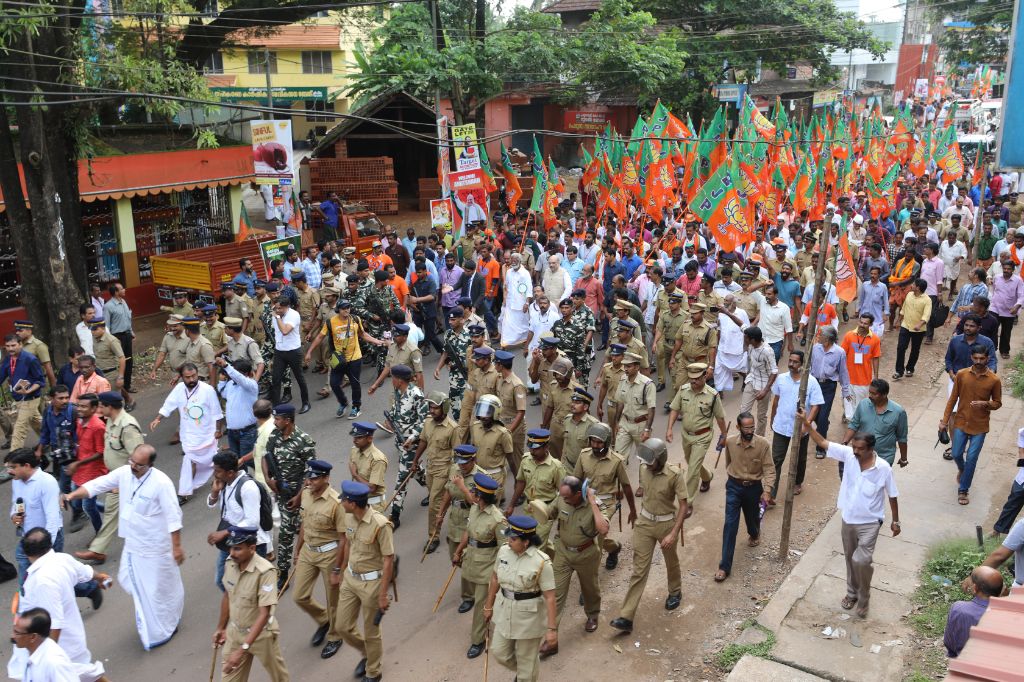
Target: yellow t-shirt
column 346, row 336
column 917, row 308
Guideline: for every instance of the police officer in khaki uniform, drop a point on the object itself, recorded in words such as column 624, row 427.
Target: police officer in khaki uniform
column 511, row 391
column 580, row 525
column 665, row 333
column 538, row 479
column 24, row 329
column 437, row 439
column 559, row 405
column 401, row 352
column 308, row 306
column 367, row 464
column 695, row 342
column 234, row 304
column 606, row 471
column 317, row 551
column 213, row 329
column 123, row 435
column 748, row 301
column 110, row 358
column 181, row 307
column 608, row 379
column 575, row 426
column 247, row 627
column 540, row 366
column 456, row 495
column 635, row 403
column 492, row 440
column 479, row 380
column 710, row 300
column 240, row 346
column 522, row 577
column 699, row 406
column 624, row 311
column 624, row 330
column 477, row 551
column 662, row 493
column 199, row 351
column 172, row 347
column 365, row 572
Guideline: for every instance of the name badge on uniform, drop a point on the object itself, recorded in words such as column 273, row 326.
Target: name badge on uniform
column 858, row 358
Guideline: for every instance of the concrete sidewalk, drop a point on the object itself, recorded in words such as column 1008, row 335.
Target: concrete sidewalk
column 808, row 601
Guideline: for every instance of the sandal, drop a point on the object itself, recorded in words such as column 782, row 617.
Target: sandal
column 720, row 576
column 908, row 373
column 848, row 602
column 323, row 393
column 754, row 541
column 799, row 489
column 962, row 499
column 705, row 486
column 862, row 612
column 948, row 453
column 897, row 376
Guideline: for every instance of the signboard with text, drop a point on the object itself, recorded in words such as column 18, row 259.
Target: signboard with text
column 273, row 249
column 258, row 93
column 467, row 155
column 730, row 92
column 272, row 151
column 585, row 121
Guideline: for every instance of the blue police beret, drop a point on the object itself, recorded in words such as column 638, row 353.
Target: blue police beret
column 209, row 308
column 465, row 300
column 401, row 330
column 580, row 395
column 580, row 292
column 476, row 330
column 227, row 285
column 112, row 398
column 238, row 535
column 504, row 357
column 677, row 296
column 284, row 410
column 482, row 352
column 550, row 341
column 259, row 284
column 95, row 323
column 455, row 313
column 317, row 467
column 537, row 437
column 273, row 286
column 485, row 483
column 352, row 490
column 363, row 428
column 401, row 371
column 627, row 323
column 616, row 349
column 523, row 526
column 464, row 452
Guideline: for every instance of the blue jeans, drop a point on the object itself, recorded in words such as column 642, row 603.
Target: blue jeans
column 222, row 559
column 66, row 486
column 739, row 497
column 93, row 508
column 1014, row 503
column 489, row 318
column 973, row 445
column 777, row 349
column 242, row 441
column 83, row 589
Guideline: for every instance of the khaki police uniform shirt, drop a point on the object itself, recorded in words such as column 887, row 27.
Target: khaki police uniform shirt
column 440, row 438
column 512, row 393
column 458, row 516
column 348, row 267
column 200, row 352
column 123, row 435
column 561, row 400
column 371, row 465
column 214, row 334
column 248, row 591
column 370, row 539
column 323, row 517
column 605, row 473
column 750, row 303
column 244, row 347
column 309, row 302
column 636, row 331
column 803, row 260
column 611, row 376
column 637, row 346
column 697, row 342
column 546, row 377
column 661, row 303
column 530, row 571
column 637, row 397
column 108, row 353
column 173, row 347
column 485, row 526
column 662, row 489
column 38, row 349
column 542, row 479
column 669, row 326
column 698, row 411
column 493, row 446
column 185, row 310
column 750, row 461
column 709, row 300
column 576, row 525
column 406, row 354
column 236, row 307
column 575, row 438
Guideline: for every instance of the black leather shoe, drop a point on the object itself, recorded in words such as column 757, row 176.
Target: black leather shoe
column 466, row 605
column 395, row 520
column 330, row 649
column 425, row 501
column 475, row 650
column 612, row 561
column 367, row 678
column 661, row 387
column 673, row 601
column 622, row 624
column 361, row 668
column 320, row 634
column 535, row 401
column 432, row 545
column 305, row 408
column 282, row 579
column 96, row 597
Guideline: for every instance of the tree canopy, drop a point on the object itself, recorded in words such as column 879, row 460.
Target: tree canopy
column 987, row 39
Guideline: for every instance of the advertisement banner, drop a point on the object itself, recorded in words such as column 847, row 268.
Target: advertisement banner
column 921, row 88
column 441, row 214
column 469, row 194
column 1010, row 147
column 585, row 121
column 443, row 164
column 272, row 152
column 467, row 156
column 274, row 249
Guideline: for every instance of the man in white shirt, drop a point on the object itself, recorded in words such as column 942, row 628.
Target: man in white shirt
column 50, row 584
column 46, row 662
column 237, row 496
column 866, row 481
column 776, row 322
column 149, row 520
column 555, row 279
column 732, row 354
column 287, row 352
column 82, row 331
column 199, row 412
column 35, row 502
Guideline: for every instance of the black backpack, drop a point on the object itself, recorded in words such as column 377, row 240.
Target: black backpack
column 266, row 505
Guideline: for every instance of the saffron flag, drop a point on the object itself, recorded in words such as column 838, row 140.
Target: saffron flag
column 846, row 278
column 513, row 190
column 719, row 206
column 947, row 155
column 244, row 226
column 540, row 179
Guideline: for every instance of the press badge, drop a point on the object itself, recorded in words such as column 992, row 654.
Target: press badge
column 858, row 358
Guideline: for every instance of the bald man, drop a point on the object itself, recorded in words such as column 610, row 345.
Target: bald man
column 984, row 583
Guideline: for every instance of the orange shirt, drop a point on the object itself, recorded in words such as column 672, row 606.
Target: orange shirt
column 400, row 288
column 378, row 262
column 491, row 271
column 826, row 316
column 860, row 351
column 96, row 384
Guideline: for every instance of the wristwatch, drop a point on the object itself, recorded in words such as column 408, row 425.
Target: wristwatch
column 245, row 646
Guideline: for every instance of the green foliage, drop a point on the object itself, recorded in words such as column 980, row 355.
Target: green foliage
column 1014, row 376
column 729, row 656
column 986, row 43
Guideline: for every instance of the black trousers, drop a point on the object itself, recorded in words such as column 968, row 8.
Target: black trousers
column 1014, row 503
column 428, row 323
column 913, row 340
column 1005, row 329
column 350, row 369
column 284, row 359
column 126, row 345
column 930, row 329
column 828, row 392
column 780, row 448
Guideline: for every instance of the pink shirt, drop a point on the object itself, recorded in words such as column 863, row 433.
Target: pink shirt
column 932, row 271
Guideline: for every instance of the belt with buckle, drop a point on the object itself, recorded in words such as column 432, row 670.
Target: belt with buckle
column 604, row 498
column 638, row 420
column 376, row 499
column 698, row 358
column 365, row 577
column 245, row 631
column 495, row 470
column 323, row 548
column 657, row 518
column 745, row 484
column 700, row 432
column 579, row 548
column 519, row 596
column 482, row 545
column 459, row 504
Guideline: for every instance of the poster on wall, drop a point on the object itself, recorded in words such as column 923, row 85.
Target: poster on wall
column 272, row 152
column 467, row 155
column 441, row 214
column 921, row 88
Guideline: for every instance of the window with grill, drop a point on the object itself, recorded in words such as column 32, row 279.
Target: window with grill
column 258, row 61
column 316, row 62
column 214, row 63
column 317, row 105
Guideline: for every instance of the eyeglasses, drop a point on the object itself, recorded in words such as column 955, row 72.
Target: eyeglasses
column 21, row 633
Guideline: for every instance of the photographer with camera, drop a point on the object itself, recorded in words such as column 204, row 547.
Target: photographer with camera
column 88, row 462
column 58, row 439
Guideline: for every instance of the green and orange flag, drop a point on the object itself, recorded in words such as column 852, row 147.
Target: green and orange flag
column 540, row 179
column 720, row 207
column 513, row 191
column 947, row 155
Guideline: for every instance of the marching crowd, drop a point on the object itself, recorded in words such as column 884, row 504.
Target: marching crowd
column 516, row 314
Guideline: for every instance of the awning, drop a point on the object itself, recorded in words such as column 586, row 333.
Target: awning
column 116, row 177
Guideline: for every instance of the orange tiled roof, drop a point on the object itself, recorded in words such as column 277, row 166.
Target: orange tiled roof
column 995, row 649
column 215, row 80
column 307, row 36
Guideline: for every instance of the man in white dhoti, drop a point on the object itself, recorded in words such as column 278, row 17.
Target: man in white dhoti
column 199, row 411
column 732, row 356
column 515, row 311
column 150, row 524
column 952, row 253
column 542, row 317
column 50, row 584
column 46, row 661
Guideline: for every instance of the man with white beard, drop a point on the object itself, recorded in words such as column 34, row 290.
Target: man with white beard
column 150, row 523
column 515, row 315
column 732, row 356
column 199, row 412
column 50, row 585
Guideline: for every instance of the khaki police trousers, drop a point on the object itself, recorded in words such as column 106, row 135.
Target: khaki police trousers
column 627, row 436
column 27, row 417
column 585, row 564
column 520, row 655
column 309, row 566
column 357, row 596
column 108, row 530
column 266, row 648
column 646, row 536
column 436, row 480
column 694, row 450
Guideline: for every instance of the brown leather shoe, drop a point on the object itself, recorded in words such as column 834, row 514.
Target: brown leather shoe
column 546, row 651
column 91, row 557
column 591, row 624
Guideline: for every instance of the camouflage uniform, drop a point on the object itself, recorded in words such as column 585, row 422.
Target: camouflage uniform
column 456, row 345
column 583, row 320
column 292, row 454
column 572, row 335
column 266, row 320
column 408, row 414
column 379, row 302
